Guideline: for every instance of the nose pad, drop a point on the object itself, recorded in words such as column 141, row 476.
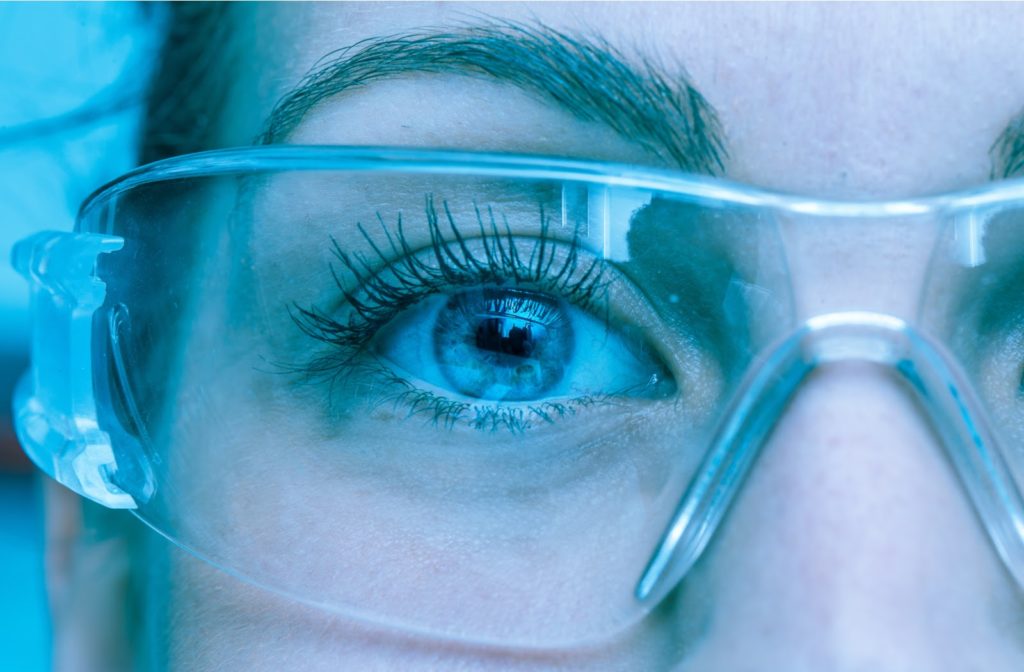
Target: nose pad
column 829, row 340
column 852, row 545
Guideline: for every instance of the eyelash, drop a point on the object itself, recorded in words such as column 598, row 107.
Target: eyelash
column 441, row 411
column 382, row 293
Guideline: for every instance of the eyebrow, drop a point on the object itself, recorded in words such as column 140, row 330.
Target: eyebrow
column 586, row 76
column 1007, row 151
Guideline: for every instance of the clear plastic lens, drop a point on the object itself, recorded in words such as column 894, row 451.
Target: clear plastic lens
column 509, row 400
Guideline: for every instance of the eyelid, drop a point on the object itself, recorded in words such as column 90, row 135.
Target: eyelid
column 377, row 282
column 372, row 280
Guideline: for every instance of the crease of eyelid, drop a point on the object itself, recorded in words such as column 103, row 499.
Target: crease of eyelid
column 587, row 76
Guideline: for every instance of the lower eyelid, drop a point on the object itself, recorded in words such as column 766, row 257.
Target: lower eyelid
column 398, row 398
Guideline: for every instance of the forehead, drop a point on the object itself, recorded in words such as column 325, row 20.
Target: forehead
column 834, row 100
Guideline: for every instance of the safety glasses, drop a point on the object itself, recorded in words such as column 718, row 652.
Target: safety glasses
column 492, row 398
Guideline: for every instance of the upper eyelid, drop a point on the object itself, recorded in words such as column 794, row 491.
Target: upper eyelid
column 489, row 245
column 376, row 283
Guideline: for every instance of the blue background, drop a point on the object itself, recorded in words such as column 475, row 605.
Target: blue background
column 72, row 80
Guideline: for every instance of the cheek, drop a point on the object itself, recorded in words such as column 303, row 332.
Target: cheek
column 215, row 622
column 470, row 533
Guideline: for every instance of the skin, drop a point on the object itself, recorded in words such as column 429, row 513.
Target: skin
column 852, row 545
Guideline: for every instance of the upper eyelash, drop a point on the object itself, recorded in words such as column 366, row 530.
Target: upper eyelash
column 376, row 299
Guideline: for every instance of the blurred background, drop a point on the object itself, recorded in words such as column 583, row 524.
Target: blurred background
column 72, row 79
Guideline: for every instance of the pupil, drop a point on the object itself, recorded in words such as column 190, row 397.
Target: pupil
column 507, row 344
column 506, row 336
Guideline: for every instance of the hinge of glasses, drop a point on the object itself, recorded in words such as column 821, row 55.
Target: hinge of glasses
column 54, row 404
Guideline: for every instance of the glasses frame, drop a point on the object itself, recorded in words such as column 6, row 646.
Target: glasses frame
column 55, row 402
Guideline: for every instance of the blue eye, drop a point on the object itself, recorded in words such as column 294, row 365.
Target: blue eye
column 514, row 345
column 504, row 345
column 481, row 329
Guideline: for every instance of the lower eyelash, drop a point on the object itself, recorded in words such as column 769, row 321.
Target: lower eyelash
column 440, row 411
column 378, row 386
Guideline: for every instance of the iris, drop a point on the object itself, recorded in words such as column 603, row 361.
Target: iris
column 503, row 344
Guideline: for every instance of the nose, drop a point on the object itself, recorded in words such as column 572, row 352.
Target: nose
column 851, row 547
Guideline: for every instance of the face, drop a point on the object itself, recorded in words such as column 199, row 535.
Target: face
column 851, row 545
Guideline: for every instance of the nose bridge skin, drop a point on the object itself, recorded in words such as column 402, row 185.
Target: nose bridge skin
column 856, row 337
column 851, row 546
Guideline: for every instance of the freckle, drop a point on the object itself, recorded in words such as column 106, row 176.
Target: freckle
column 673, row 298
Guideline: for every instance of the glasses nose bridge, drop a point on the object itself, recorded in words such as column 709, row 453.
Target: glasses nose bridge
column 831, row 338
column 852, row 336
column 875, row 261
